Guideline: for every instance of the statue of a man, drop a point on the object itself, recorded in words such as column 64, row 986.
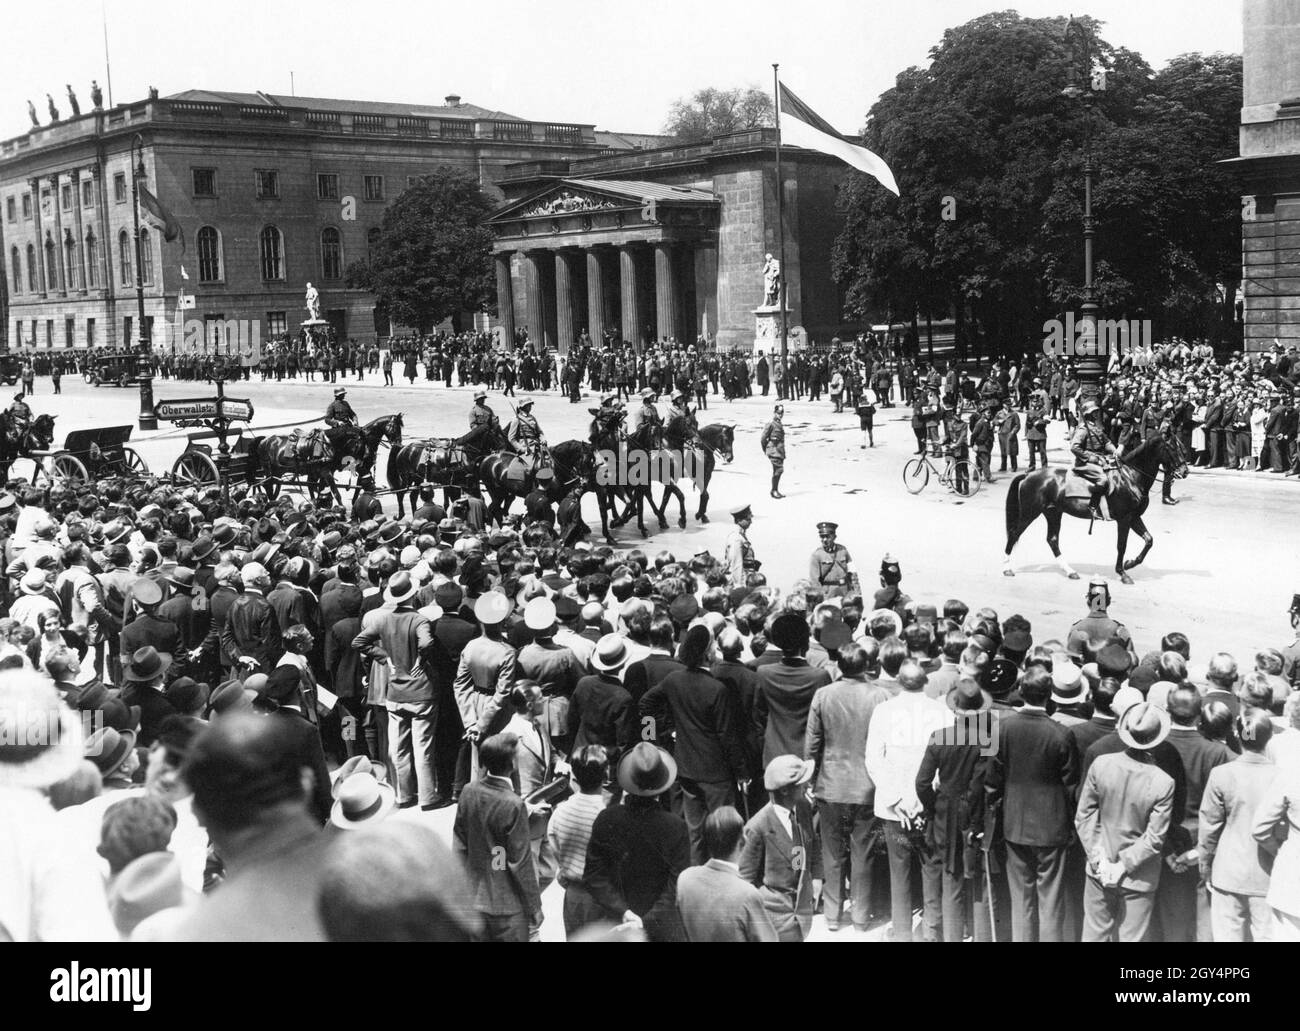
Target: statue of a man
column 72, row 100
column 771, row 281
column 31, row 113
column 96, row 94
column 313, row 303
column 54, row 111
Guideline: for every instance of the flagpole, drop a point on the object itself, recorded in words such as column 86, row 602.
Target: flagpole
column 108, row 65
column 780, row 210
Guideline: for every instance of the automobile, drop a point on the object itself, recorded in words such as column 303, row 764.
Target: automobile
column 11, row 367
column 118, row 368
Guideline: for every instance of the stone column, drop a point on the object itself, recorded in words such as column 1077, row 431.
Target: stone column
column 597, row 312
column 505, row 300
column 630, row 300
column 535, row 316
column 565, row 330
column 79, row 244
column 56, row 191
column 41, row 281
column 668, row 304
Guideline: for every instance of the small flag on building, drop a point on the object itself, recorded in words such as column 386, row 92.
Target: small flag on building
column 151, row 209
column 801, row 126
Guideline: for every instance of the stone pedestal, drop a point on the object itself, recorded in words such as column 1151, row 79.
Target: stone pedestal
column 767, row 331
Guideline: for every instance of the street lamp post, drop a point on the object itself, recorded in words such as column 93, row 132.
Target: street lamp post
column 144, row 360
column 1089, row 368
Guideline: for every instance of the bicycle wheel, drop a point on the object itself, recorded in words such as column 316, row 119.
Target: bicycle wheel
column 916, row 474
column 963, row 474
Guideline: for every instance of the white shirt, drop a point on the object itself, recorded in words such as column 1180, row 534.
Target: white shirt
column 786, row 817
column 900, row 729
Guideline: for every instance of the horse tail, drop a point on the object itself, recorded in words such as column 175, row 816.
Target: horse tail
column 1013, row 506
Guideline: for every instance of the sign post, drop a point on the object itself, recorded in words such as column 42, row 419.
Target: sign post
column 216, row 413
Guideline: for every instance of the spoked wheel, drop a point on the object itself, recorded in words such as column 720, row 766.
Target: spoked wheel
column 67, row 468
column 916, row 474
column 134, row 463
column 196, row 469
column 969, row 479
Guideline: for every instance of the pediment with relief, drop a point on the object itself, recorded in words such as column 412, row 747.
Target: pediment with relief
column 566, row 202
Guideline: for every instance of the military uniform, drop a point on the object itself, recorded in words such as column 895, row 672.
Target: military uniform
column 525, row 433
column 773, row 443
column 1090, row 447
column 738, row 556
column 340, row 413
column 833, row 568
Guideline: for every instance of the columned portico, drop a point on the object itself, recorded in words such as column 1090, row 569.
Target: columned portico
column 598, row 316
column 668, row 301
column 505, row 299
column 630, row 295
column 565, row 323
column 535, row 316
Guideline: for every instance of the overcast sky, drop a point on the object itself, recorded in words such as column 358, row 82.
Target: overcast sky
column 619, row 65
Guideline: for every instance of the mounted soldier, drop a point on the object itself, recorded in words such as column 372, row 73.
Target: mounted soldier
column 19, row 420
column 526, row 438
column 341, row 421
column 1094, row 454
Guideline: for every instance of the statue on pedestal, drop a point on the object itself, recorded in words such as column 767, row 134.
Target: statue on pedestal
column 54, row 111
column 96, row 95
column 72, row 100
column 313, row 304
column 771, row 281
column 31, row 113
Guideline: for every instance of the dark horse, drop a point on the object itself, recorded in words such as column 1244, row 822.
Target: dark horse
column 1128, row 492
column 438, row 461
column 569, row 468
column 39, row 436
column 716, row 439
column 278, row 456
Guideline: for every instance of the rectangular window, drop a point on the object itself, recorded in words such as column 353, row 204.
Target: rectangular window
column 205, row 182
column 90, row 332
column 49, row 333
column 88, row 193
column 374, row 187
column 327, row 186
column 119, row 187
column 11, row 209
column 277, row 323
column 27, row 206
column 267, row 181
column 126, row 331
column 65, row 196
column 69, row 331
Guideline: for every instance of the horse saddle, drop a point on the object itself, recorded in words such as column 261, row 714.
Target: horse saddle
column 310, row 446
column 1076, row 486
column 443, row 455
column 524, row 470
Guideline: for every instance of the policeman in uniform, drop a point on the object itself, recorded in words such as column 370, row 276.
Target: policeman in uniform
column 738, row 557
column 1096, row 630
column 1093, row 452
column 773, row 443
column 20, row 419
column 831, row 565
column 527, row 439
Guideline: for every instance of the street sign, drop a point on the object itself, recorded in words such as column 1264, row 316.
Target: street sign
column 189, row 409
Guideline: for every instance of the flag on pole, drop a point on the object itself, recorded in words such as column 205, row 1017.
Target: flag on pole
column 152, row 210
column 801, row 126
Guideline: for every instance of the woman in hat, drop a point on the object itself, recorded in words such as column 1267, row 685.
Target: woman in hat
column 638, row 849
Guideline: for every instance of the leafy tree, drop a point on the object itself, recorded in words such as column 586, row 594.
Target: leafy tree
column 985, row 127
column 433, row 257
column 712, row 112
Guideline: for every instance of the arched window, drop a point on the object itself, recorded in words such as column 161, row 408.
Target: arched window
column 331, row 254
column 272, row 253
column 70, row 259
column 209, row 244
column 124, row 257
column 51, row 266
column 92, row 259
column 15, row 263
column 31, row 269
column 146, row 256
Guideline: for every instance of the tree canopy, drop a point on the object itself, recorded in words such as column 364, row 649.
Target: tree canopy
column 712, row 112
column 986, row 135
column 432, row 259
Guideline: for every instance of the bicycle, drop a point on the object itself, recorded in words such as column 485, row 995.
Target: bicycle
column 959, row 475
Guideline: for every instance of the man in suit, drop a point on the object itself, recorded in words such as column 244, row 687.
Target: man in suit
column 343, row 672
column 1213, row 427
column 716, row 904
column 146, row 628
column 742, row 683
column 782, row 856
column 1034, row 776
column 601, row 710
column 190, row 614
column 451, row 633
column 249, row 792
column 642, row 674
column 143, row 675
column 1125, row 808
column 786, row 688
column 839, row 720
column 403, row 639
column 251, row 631
column 1182, row 900
column 491, row 833
column 485, row 674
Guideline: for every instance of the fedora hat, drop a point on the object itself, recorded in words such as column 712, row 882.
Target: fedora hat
column 967, row 698
column 108, row 748
column 361, row 799
column 33, row 581
column 147, row 885
column 27, row 701
column 400, row 587
column 646, row 770
column 1143, row 726
column 389, row 532
column 146, row 664
column 492, row 608
column 611, row 653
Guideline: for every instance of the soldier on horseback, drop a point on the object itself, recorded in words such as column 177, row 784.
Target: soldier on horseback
column 1094, row 454
column 527, row 440
column 482, row 423
column 341, row 420
column 19, row 421
column 680, row 426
